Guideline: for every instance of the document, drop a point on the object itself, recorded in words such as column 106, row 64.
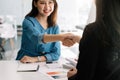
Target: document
column 27, row 67
column 54, row 65
column 57, row 74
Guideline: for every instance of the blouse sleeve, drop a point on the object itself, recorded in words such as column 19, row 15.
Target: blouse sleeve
column 54, row 54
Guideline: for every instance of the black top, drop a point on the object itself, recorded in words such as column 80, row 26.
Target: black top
column 99, row 57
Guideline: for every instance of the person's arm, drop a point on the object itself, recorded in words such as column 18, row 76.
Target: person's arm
column 54, row 50
column 52, row 38
column 55, row 37
column 76, row 38
column 28, row 59
column 89, row 55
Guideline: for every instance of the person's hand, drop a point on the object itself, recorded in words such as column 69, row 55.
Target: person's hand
column 68, row 42
column 68, row 39
column 28, row 59
column 71, row 72
column 76, row 38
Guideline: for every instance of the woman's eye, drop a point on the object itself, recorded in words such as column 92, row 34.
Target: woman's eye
column 51, row 2
column 42, row 3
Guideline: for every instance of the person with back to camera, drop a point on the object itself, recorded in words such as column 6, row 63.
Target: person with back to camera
column 99, row 47
column 41, row 33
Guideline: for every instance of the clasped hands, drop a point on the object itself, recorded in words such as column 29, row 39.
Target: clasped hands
column 69, row 39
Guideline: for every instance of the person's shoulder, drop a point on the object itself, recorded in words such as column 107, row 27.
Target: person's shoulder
column 55, row 26
column 28, row 20
column 54, row 29
column 94, row 27
column 90, row 27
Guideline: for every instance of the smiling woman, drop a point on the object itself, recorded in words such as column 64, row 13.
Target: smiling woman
column 39, row 21
column 40, row 37
column 69, row 16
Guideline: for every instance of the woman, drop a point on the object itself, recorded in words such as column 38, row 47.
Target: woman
column 41, row 33
column 99, row 47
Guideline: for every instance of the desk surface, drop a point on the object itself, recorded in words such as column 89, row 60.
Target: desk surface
column 8, row 71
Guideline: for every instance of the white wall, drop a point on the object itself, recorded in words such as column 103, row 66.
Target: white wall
column 70, row 12
column 73, row 13
column 67, row 14
column 92, row 13
column 17, row 8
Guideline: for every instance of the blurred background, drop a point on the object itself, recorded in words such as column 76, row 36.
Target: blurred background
column 73, row 16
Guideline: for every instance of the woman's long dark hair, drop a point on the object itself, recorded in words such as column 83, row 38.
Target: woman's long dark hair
column 112, row 14
column 111, row 20
column 108, row 14
column 52, row 19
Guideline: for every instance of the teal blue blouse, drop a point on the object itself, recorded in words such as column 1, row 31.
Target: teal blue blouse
column 32, row 44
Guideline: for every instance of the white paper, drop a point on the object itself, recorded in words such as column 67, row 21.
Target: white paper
column 54, row 65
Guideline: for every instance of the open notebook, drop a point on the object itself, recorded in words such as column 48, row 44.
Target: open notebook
column 27, row 67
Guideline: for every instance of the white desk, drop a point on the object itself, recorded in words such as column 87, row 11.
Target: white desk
column 8, row 71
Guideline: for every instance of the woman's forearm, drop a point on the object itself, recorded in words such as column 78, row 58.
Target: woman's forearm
column 52, row 38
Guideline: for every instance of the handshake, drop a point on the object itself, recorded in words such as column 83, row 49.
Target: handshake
column 69, row 39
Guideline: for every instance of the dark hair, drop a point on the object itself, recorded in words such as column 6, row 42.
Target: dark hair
column 111, row 13
column 98, row 10
column 108, row 17
column 52, row 19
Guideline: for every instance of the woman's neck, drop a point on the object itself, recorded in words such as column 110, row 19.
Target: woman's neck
column 42, row 21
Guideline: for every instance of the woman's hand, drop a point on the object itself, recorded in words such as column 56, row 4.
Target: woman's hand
column 71, row 72
column 70, row 39
column 28, row 59
column 67, row 39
